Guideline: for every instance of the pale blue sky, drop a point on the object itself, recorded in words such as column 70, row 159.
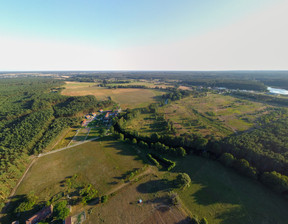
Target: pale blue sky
column 113, row 27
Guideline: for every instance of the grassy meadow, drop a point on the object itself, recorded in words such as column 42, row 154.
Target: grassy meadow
column 127, row 98
column 223, row 196
column 145, row 124
column 101, row 163
column 215, row 114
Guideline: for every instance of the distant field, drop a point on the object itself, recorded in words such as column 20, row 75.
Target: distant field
column 127, row 98
column 145, row 124
column 215, row 114
column 151, row 84
column 223, row 196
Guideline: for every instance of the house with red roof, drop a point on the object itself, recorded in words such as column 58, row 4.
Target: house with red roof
column 41, row 215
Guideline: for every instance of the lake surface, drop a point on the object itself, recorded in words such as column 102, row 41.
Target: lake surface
column 278, row 91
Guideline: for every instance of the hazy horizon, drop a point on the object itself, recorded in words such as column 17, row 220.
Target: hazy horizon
column 144, row 35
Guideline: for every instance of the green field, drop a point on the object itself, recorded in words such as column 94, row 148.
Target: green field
column 215, row 114
column 223, row 196
column 145, row 124
column 127, row 97
column 99, row 163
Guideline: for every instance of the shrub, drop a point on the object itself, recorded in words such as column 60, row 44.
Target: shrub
column 104, row 198
column 183, row 180
column 203, row 221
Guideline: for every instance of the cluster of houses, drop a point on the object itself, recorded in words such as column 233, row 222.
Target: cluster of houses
column 88, row 118
column 106, row 118
column 110, row 114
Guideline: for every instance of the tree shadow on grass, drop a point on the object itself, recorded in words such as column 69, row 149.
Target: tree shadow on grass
column 235, row 215
column 219, row 187
column 126, row 149
column 153, row 186
column 185, row 221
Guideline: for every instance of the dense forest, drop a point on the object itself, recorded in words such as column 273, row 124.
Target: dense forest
column 32, row 115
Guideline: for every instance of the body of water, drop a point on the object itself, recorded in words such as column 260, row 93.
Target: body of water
column 278, row 91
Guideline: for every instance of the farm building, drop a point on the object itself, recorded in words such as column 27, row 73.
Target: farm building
column 84, row 122
column 43, row 214
column 68, row 220
column 107, row 116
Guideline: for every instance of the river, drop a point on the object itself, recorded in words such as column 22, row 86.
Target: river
column 278, row 91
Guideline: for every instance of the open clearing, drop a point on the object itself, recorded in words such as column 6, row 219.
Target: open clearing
column 223, row 196
column 100, row 163
column 145, row 124
column 126, row 97
column 215, row 114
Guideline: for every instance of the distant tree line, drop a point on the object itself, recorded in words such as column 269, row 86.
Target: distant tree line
column 128, row 86
column 227, row 83
column 263, row 98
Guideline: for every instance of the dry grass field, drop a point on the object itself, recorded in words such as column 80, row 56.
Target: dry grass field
column 101, row 163
column 127, row 98
column 124, row 206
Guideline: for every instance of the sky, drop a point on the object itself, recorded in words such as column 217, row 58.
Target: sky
column 43, row 35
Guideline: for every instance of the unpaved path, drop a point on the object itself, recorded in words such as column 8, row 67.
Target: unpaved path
column 67, row 147
column 33, row 161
